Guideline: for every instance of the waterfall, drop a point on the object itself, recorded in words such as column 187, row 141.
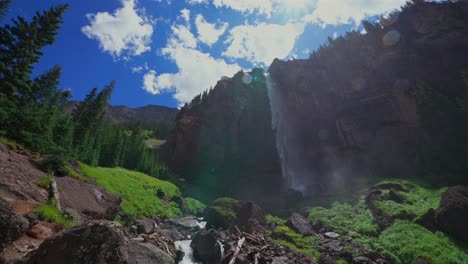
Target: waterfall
column 286, row 150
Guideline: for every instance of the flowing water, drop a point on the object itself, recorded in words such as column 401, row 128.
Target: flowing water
column 289, row 159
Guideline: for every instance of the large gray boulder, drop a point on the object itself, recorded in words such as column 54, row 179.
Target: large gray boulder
column 12, row 225
column 95, row 242
column 143, row 253
column 452, row 214
column 300, row 224
column 206, row 247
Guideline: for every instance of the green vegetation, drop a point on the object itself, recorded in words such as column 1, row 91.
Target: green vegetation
column 342, row 218
column 418, row 200
column 139, row 191
column 49, row 212
column 45, row 181
column 402, row 242
column 405, row 242
column 195, row 207
column 274, row 219
column 10, row 143
column 297, row 241
column 75, row 175
column 32, row 110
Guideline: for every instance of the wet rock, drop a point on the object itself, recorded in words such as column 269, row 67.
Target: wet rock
column 393, row 196
column 189, row 222
column 452, row 213
column 326, row 259
column 428, row 220
column 362, row 260
column 300, row 224
column 330, row 245
column 94, row 242
column 174, row 235
column 317, row 225
column 12, row 225
column 145, row 225
column 280, row 260
column 383, row 220
column 206, row 247
column 143, row 253
column 331, row 235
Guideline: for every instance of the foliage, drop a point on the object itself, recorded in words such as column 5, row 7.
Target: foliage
column 274, row 219
column 10, row 143
column 56, row 163
column 45, row 181
column 138, row 191
column 75, row 175
column 49, row 212
column 405, row 242
column 418, row 200
column 342, row 218
column 301, row 243
column 195, row 207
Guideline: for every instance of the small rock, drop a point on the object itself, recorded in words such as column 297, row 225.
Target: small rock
column 186, row 222
column 299, row 224
column 331, row 235
column 141, row 253
column 145, row 225
column 362, row 260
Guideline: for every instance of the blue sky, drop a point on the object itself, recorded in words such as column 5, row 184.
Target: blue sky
column 164, row 52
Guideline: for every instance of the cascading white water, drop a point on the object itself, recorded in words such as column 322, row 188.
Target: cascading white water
column 283, row 144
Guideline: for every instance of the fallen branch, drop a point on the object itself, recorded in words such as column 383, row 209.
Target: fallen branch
column 238, row 249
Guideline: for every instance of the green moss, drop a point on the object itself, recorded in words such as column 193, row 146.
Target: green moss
column 342, row 218
column 11, row 144
column 138, row 191
column 75, row 175
column 301, row 243
column 405, row 242
column 341, row 261
column 195, row 207
column 44, row 182
column 274, row 219
column 228, row 214
column 49, row 212
column 418, row 199
column 173, row 210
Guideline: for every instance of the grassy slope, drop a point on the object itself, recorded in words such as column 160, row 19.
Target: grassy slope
column 139, row 191
column 403, row 242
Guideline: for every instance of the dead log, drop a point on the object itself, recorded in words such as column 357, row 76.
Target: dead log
column 54, row 194
column 238, row 249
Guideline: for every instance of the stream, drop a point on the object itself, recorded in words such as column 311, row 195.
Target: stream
column 184, row 246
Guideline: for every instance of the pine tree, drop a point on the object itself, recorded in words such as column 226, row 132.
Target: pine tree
column 4, row 8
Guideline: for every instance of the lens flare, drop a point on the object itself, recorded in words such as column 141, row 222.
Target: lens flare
column 391, row 38
column 247, row 78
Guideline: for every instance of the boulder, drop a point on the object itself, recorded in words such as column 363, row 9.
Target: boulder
column 143, row 253
column 12, row 225
column 94, row 242
column 145, row 225
column 452, row 214
column 87, row 199
column 428, row 220
column 188, row 222
column 249, row 217
column 206, row 247
column 300, row 224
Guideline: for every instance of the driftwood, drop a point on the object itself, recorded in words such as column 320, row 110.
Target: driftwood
column 54, row 194
column 238, row 249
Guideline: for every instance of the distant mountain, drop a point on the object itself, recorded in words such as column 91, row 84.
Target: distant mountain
column 122, row 113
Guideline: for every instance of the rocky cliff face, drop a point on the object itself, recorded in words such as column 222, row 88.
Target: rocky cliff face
column 223, row 142
column 349, row 110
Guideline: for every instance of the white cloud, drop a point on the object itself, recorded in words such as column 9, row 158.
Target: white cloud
column 185, row 14
column 262, row 43
column 197, row 71
column 194, row 2
column 209, row 33
column 248, row 6
column 335, row 12
column 125, row 32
